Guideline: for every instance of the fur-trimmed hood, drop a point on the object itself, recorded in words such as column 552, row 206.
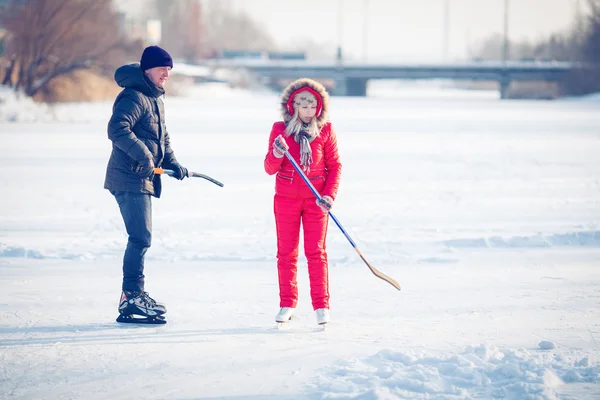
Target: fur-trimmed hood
column 316, row 87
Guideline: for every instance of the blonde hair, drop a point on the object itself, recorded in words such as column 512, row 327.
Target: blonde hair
column 295, row 125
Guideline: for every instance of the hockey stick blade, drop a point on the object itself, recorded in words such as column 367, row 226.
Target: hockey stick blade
column 377, row 272
column 208, row 178
column 160, row 171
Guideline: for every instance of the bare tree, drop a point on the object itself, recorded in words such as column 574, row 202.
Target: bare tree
column 587, row 79
column 580, row 43
column 585, row 44
column 182, row 31
column 591, row 44
column 230, row 30
column 557, row 47
column 8, row 75
column 50, row 38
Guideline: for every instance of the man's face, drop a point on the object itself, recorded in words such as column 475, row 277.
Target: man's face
column 158, row 75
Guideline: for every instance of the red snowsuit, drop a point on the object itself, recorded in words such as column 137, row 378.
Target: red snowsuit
column 294, row 203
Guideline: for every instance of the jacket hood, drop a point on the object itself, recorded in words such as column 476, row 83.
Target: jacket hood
column 316, row 88
column 132, row 76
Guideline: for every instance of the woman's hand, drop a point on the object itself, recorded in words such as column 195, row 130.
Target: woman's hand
column 279, row 146
column 325, row 202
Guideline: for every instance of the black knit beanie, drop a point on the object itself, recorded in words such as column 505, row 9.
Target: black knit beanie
column 154, row 56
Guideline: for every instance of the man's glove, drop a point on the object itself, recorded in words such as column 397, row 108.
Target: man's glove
column 279, row 146
column 180, row 172
column 325, row 202
column 145, row 168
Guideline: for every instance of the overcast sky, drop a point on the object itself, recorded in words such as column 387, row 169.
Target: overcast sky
column 406, row 29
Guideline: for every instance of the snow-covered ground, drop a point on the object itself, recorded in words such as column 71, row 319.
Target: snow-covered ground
column 485, row 211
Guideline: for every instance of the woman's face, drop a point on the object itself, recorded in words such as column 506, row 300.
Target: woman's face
column 306, row 112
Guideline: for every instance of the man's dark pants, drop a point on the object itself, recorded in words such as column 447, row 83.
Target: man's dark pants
column 136, row 209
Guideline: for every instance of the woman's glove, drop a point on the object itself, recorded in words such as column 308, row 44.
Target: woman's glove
column 325, row 202
column 279, row 146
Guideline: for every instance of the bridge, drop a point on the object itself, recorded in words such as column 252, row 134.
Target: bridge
column 351, row 78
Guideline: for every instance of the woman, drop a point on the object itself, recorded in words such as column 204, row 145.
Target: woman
column 310, row 139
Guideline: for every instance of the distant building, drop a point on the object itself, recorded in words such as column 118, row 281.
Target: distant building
column 134, row 21
column 131, row 27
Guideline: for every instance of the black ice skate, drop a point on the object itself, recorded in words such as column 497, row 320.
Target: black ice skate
column 140, row 308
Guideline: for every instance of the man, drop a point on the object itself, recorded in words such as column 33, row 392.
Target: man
column 140, row 142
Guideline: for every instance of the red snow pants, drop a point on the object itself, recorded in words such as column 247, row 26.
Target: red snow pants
column 290, row 214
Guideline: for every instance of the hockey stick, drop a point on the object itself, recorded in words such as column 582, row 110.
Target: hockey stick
column 374, row 270
column 160, row 171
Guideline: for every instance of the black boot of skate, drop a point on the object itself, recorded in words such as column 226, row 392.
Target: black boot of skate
column 140, row 308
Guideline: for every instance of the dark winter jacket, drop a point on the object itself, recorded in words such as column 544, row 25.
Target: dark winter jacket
column 138, row 133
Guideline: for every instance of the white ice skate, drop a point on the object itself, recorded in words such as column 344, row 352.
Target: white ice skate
column 284, row 315
column 322, row 316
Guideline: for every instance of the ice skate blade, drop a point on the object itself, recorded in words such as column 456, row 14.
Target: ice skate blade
column 133, row 319
column 284, row 322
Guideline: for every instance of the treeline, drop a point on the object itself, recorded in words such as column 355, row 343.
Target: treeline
column 51, row 38
column 192, row 29
column 581, row 44
column 46, row 40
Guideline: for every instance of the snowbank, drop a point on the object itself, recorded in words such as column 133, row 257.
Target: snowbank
column 483, row 371
column 16, row 107
column 593, row 97
column 583, row 238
